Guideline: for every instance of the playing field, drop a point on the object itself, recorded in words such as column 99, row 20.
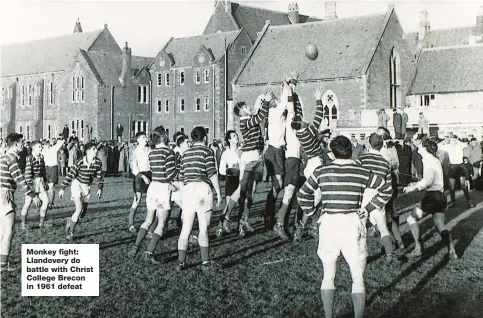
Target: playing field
column 262, row 276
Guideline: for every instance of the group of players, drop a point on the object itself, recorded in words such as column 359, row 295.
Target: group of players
column 340, row 196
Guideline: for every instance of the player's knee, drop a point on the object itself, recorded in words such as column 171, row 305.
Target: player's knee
column 383, row 230
column 289, row 190
column 411, row 220
column 358, row 286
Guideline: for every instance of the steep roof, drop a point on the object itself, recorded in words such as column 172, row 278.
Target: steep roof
column 44, row 55
column 252, row 19
column 449, row 70
column 183, row 50
column 442, row 37
column 107, row 67
column 345, row 48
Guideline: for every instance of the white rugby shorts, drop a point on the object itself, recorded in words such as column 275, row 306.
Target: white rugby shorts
column 196, row 197
column 80, row 191
column 342, row 233
column 7, row 203
column 158, row 196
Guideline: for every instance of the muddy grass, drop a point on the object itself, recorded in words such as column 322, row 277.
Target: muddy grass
column 263, row 277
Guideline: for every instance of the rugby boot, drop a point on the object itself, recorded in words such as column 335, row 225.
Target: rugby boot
column 281, row 232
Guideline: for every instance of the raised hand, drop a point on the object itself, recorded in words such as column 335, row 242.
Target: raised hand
column 318, row 93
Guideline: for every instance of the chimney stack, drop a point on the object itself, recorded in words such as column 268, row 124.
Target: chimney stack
column 77, row 28
column 126, row 72
column 479, row 24
column 293, row 12
column 424, row 25
column 228, row 6
column 330, row 10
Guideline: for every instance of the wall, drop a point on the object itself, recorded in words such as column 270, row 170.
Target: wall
column 378, row 77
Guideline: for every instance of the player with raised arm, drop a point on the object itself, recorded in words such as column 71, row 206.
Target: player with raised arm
column 307, row 135
column 142, row 175
column 81, row 176
column 343, row 222
column 158, row 198
column 292, row 160
column 434, row 201
column 36, row 178
column 251, row 158
column 10, row 178
column 198, row 174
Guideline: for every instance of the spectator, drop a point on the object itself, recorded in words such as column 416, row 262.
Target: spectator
column 397, row 123
column 382, row 118
column 423, row 126
column 357, row 149
column 474, row 154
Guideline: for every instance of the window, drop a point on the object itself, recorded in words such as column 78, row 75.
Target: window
column 166, row 105
column 159, row 79
column 77, row 126
column 394, row 80
column 206, row 103
column 20, row 129
column 427, row 100
column 50, row 93
column 73, row 90
column 159, row 106
column 143, row 94
column 181, row 77
column 77, row 93
column 166, row 79
column 197, row 76
column 167, row 132
column 30, row 94
column 82, row 89
column 28, row 132
column 1, row 132
column 48, row 132
column 181, row 105
column 207, row 75
column 362, row 136
column 243, row 49
column 197, row 104
column 137, row 126
column 22, row 96
column 77, row 87
column 331, row 112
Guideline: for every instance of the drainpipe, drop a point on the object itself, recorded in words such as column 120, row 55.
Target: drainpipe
column 226, row 89
column 213, row 103
column 112, row 112
column 150, row 122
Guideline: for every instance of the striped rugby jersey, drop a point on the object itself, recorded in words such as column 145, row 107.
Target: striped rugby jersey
column 35, row 168
column 162, row 164
column 85, row 173
column 11, row 176
column 342, row 183
column 250, row 129
column 377, row 164
column 308, row 135
column 197, row 164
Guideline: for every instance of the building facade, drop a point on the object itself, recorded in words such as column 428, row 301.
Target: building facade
column 77, row 80
column 191, row 79
column 363, row 64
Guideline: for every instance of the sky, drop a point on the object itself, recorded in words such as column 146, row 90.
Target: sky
column 148, row 25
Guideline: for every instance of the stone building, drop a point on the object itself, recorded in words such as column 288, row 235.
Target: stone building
column 191, row 79
column 79, row 79
column 364, row 63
